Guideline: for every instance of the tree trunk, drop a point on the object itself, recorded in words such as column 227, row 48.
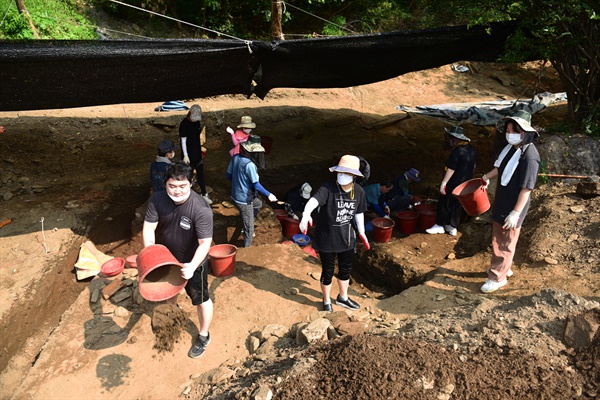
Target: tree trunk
column 23, row 10
column 276, row 16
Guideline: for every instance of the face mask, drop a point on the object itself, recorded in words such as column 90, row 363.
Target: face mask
column 344, row 179
column 247, row 130
column 513, row 138
column 180, row 199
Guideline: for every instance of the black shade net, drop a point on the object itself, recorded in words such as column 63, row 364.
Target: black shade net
column 64, row 74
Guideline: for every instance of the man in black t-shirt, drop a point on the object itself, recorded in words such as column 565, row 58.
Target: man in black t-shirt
column 184, row 223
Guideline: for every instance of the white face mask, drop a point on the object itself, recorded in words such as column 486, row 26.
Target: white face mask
column 178, row 191
column 247, row 130
column 513, row 138
column 344, row 179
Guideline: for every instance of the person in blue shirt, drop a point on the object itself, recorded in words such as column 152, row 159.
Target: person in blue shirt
column 158, row 169
column 375, row 194
column 245, row 185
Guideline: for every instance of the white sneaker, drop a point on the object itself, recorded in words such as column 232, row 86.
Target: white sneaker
column 450, row 230
column 435, row 229
column 208, row 200
column 491, row 286
column 508, row 274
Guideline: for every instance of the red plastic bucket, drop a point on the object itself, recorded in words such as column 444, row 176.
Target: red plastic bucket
column 222, row 259
column 382, row 229
column 427, row 219
column 290, row 227
column 159, row 273
column 407, row 221
column 425, row 207
column 267, row 143
column 472, row 196
column 280, row 214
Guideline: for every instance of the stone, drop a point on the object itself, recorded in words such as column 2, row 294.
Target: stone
column 111, row 289
column 581, row 328
column 252, row 344
column 272, row 330
column 95, row 296
column 262, row 393
column 550, row 261
column 337, row 318
column 121, row 312
column 216, row 375
column 353, row 328
column 316, row 330
column 268, row 346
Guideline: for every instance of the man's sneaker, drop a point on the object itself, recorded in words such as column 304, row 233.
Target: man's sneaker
column 508, row 274
column 435, row 229
column 491, row 286
column 208, row 200
column 327, row 307
column 348, row 303
column 450, row 230
column 199, row 347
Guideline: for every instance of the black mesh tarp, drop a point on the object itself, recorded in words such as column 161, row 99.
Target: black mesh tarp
column 64, row 74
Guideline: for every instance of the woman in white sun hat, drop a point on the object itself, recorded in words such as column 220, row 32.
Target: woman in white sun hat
column 517, row 167
column 342, row 204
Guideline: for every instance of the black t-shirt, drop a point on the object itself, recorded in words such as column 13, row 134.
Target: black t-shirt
column 334, row 231
column 525, row 176
column 295, row 200
column 191, row 131
column 462, row 161
column 180, row 226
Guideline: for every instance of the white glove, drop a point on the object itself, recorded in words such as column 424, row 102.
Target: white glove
column 186, row 160
column 387, row 216
column 386, row 210
column 512, row 220
column 187, row 271
column 305, row 222
column 443, row 188
column 230, row 131
column 486, row 181
column 365, row 241
column 272, row 198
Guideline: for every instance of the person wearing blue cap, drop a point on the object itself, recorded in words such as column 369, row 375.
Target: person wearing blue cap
column 158, row 168
column 401, row 196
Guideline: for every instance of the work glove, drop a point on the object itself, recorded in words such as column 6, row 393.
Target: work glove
column 187, row 271
column 443, row 188
column 416, row 200
column 272, row 198
column 305, row 222
column 511, row 220
column 230, row 131
column 186, row 160
column 387, row 216
column 365, row 241
column 386, row 210
column 486, row 181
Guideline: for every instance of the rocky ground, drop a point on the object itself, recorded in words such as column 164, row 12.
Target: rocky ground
column 424, row 329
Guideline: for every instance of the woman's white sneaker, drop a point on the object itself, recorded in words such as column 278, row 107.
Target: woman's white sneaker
column 435, row 229
column 491, row 286
column 450, row 230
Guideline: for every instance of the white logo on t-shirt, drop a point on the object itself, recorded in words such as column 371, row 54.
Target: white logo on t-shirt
column 185, row 223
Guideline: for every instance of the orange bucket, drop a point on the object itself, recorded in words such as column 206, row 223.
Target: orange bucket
column 159, row 273
column 382, row 229
column 472, row 196
column 407, row 221
column 222, row 259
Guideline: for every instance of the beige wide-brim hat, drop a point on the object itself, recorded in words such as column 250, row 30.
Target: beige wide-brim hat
column 246, row 122
column 458, row 132
column 349, row 165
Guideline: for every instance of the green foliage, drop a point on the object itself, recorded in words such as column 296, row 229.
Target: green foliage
column 53, row 19
column 543, row 179
column 333, row 29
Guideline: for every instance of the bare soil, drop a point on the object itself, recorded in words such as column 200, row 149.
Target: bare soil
column 82, row 174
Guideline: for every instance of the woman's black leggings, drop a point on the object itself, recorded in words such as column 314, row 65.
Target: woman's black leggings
column 328, row 266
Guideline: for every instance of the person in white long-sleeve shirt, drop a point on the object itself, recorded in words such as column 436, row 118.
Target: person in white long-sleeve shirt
column 342, row 204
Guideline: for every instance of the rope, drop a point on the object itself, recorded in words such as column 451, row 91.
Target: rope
column 313, row 15
column 180, row 21
column 44, row 236
column 6, row 13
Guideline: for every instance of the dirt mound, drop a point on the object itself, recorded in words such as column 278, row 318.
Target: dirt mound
column 493, row 349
